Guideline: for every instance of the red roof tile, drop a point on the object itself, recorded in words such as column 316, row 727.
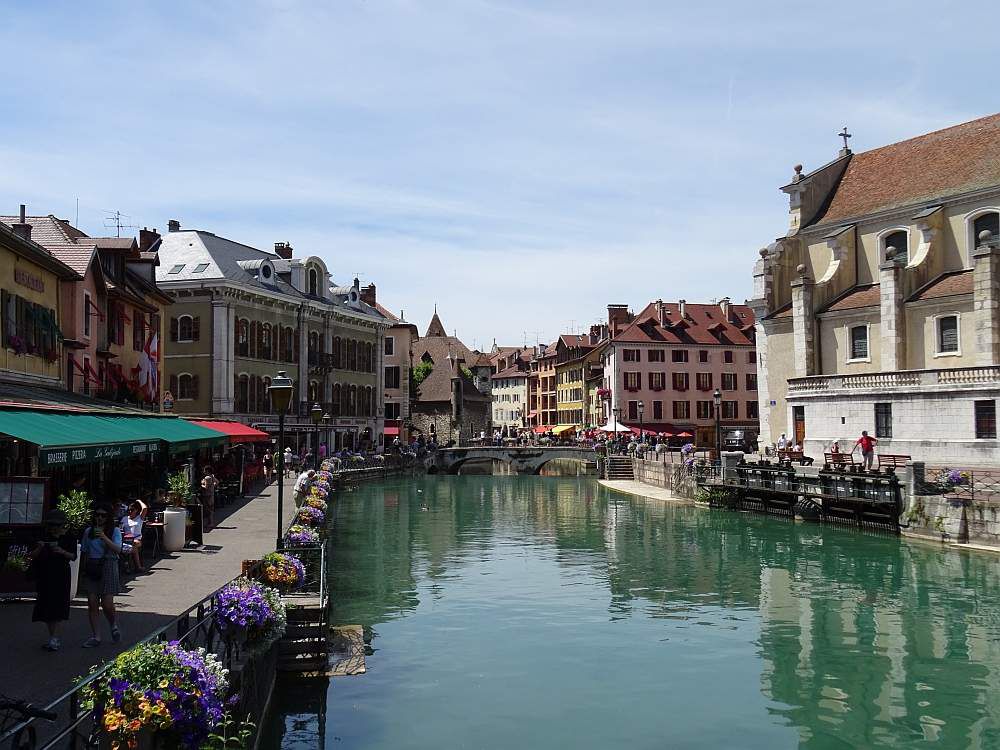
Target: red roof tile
column 701, row 324
column 946, row 162
column 859, row 296
column 946, row 285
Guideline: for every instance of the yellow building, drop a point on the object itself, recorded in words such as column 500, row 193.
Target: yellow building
column 572, row 358
column 30, row 309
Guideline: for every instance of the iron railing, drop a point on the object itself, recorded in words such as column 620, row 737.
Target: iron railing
column 974, row 485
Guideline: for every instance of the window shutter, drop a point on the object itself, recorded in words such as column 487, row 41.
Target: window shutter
column 194, row 386
column 195, row 328
column 173, row 386
column 173, row 329
column 5, row 322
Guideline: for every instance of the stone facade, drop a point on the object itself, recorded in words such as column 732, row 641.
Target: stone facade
column 878, row 310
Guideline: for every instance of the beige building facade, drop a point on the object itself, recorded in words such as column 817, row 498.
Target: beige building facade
column 878, row 310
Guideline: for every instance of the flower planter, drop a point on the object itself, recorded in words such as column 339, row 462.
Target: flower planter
column 174, row 529
column 74, row 574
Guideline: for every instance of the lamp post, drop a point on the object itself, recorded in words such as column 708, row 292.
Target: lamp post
column 281, row 393
column 717, row 397
column 615, row 412
column 317, row 416
column 326, row 430
column 642, row 408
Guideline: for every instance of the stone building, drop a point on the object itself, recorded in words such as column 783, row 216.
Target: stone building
column 398, row 363
column 671, row 357
column 451, row 400
column 878, row 309
column 241, row 314
column 112, row 312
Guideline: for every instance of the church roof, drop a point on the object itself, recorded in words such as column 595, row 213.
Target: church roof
column 436, row 328
column 944, row 163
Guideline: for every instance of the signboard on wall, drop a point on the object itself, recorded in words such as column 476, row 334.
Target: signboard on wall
column 49, row 458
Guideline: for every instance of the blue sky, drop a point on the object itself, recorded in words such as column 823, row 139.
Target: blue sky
column 521, row 164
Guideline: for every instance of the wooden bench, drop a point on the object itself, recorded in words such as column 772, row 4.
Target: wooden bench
column 839, row 459
column 895, row 460
column 799, row 456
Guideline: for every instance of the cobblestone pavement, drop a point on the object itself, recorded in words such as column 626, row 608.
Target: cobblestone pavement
column 175, row 582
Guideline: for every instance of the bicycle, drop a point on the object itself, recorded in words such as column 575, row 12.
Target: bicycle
column 14, row 732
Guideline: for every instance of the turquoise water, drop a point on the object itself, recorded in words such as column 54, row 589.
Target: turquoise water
column 535, row 612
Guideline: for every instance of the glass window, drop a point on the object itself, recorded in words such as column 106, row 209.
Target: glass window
column 900, row 242
column 753, row 410
column 679, row 355
column 859, row 342
column 200, row 268
column 703, row 355
column 706, row 410
column 986, row 419
column 729, row 381
column 390, row 346
column 727, row 357
column 178, row 268
column 751, row 381
column 703, row 381
column 657, row 410
column 680, row 381
column 730, row 409
column 947, row 334
column 682, row 410
column 989, row 222
column 883, row 420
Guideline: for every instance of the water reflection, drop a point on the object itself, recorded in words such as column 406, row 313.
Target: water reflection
column 722, row 630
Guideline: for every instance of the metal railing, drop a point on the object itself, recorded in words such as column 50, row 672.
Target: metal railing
column 974, row 485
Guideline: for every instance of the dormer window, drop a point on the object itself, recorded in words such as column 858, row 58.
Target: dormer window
column 313, row 282
column 900, row 241
column 987, row 222
column 265, row 272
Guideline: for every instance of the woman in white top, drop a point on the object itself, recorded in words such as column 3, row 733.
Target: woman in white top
column 132, row 531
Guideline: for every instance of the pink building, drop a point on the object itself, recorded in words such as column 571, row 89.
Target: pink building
column 671, row 358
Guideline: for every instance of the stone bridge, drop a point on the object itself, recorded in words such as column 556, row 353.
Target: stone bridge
column 523, row 460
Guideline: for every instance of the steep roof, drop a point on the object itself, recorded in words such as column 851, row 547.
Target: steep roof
column 865, row 295
column 701, row 324
column 511, row 372
column 943, row 163
column 437, row 385
column 945, row 285
column 435, row 328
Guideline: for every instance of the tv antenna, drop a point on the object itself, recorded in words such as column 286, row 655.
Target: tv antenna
column 114, row 219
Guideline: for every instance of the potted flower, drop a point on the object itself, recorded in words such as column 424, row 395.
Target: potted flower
column 161, row 689
column 315, row 502
column 76, row 505
column 248, row 609
column 301, row 536
column 283, row 571
column 309, row 516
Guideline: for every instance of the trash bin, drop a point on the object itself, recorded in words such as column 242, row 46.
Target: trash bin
column 174, row 523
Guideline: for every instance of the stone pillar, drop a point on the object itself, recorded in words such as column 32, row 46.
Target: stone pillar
column 986, row 301
column 803, row 324
column 223, row 354
column 303, row 363
column 893, row 320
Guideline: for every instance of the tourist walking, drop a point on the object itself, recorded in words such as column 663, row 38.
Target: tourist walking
column 50, row 565
column 208, row 485
column 867, row 445
column 102, row 543
column 266, row 460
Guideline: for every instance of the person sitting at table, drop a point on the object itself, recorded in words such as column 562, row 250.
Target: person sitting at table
column 132, row 531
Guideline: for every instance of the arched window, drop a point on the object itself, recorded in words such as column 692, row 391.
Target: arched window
column 314, row 392
column 335, row 405
column 265, row 341
column 989, row 221
column 266, row 396
column 185, row 328
column 242, row 393
column 371, row 357
column 336, row 353
column 352, row 355
column 243, row 337
column 899, row 240
column 343, row 353
column 186, row 386
column 313, row 282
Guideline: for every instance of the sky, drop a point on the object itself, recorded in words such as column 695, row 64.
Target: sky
column 520, row 164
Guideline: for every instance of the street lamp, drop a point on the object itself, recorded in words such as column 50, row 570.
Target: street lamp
column 280, row 391
column 615, row 413
column 717, row 397
column 317, row 416
column 642, row 408
column 326, row 428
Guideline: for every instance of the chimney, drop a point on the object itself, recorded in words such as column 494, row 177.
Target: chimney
column 724, row 304
column 173, row 225
column 283, row 250
column 660, row 317
column 22, row 229
column 147, row 238
column 682, row 307
column 368, row 295
column 618, row 317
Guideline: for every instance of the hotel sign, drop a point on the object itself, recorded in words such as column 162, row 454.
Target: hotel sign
column 29, row 280
column 50, row 458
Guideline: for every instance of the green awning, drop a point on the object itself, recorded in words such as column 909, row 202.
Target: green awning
column 65, row 438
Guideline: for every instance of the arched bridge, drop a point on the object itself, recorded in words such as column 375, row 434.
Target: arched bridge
column 523, row 460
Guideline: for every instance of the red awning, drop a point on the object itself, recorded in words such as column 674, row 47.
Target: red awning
column 542, row 428
column 236, row 431
column 390, row 430
column 532, row 414
column 684, row 434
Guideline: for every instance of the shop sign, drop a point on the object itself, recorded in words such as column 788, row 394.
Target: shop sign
column 54, row 457
column 29, row 280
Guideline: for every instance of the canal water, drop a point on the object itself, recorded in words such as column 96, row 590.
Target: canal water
column 545, row 612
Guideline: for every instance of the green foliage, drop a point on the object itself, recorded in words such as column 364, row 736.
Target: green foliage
column 229, row 735
column 76, row 504
column 466, row 372
column 421, row 371
column 179, row 485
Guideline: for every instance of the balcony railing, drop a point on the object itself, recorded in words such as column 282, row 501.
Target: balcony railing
column 906, row 379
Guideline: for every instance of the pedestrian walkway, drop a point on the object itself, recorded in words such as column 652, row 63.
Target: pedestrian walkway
column 642, row 489
column 176, row 582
